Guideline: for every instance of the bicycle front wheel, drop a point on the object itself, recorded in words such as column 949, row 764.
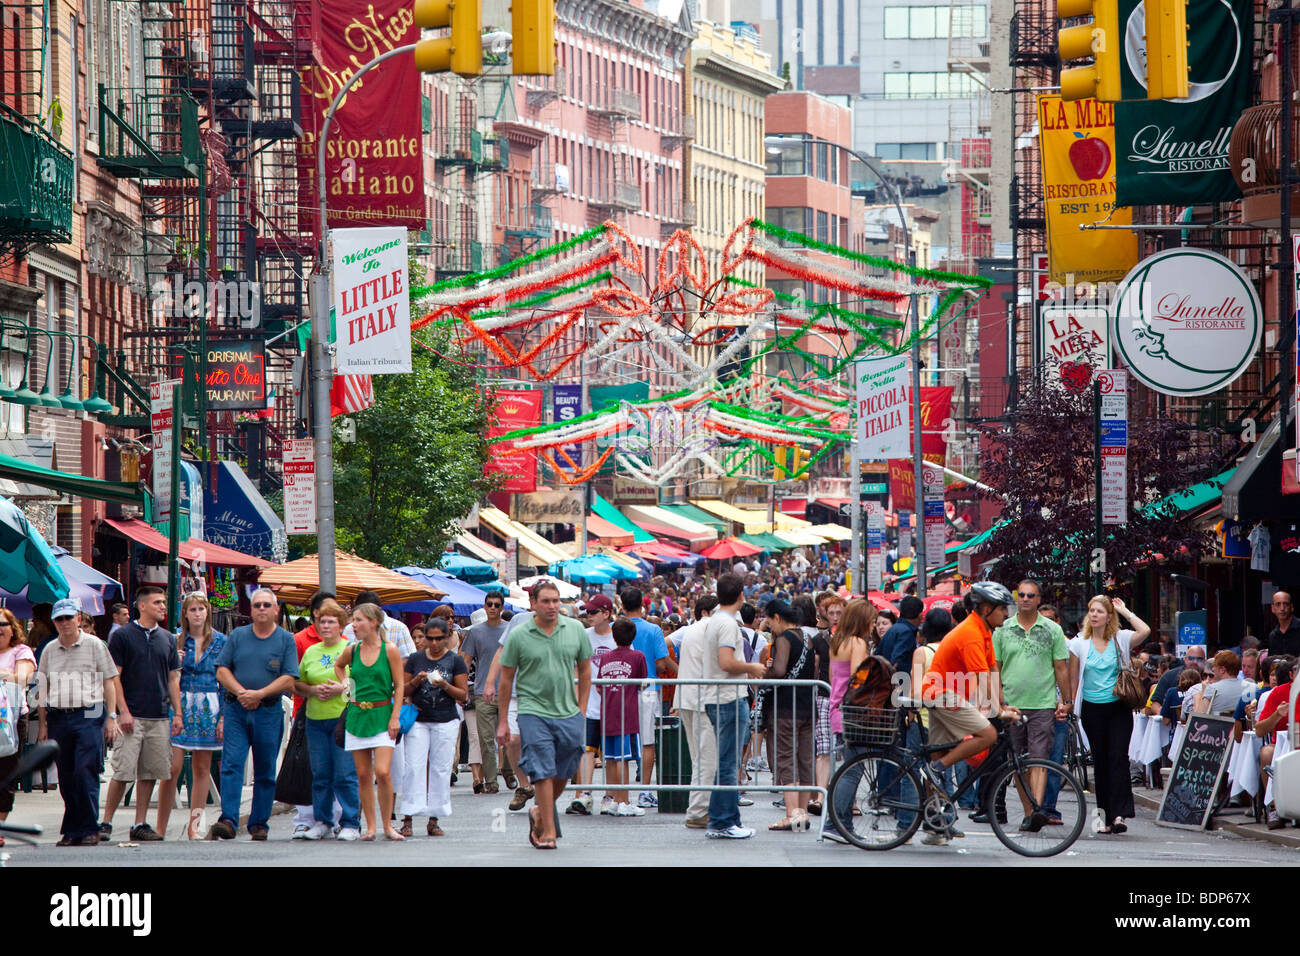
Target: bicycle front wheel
column 875, row 803
column 1036, row 833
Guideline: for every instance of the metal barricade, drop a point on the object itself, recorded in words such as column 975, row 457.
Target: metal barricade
column 781, row 717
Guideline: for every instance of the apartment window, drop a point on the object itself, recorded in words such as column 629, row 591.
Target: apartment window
column 792, row 158
column 794, row 218
column 930, row 23
column 823, row 226
column 823, row 155
column 927, row 86
column 907, row 150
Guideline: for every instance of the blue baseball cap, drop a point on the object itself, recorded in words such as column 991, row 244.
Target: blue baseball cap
column 66, row 607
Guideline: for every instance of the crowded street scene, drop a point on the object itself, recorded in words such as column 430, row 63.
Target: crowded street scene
column 648, row 433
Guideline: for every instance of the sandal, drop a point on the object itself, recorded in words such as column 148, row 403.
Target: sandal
column 432, row 829
column 511, row 782
column 406, row 830
column 493, row 787
column 785, row 824
column 1119, row 826
column 533, row 831
column 478, row 786
column 800, row 823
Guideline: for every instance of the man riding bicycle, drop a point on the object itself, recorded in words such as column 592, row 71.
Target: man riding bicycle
column 962, row 684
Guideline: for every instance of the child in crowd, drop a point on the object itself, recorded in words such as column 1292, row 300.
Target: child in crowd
column 620, row 712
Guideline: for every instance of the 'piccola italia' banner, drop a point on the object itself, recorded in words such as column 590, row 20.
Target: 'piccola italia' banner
column 1176, row 151
column 1077, row 145
column 374, row 167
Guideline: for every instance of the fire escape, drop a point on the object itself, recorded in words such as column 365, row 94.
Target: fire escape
column 35, row 169
column 211, row 135
column 462, row 154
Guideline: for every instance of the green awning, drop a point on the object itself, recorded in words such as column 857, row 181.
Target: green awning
column 79, row 486
column 911, row 572
column 1196, row 497
column 698, row 515
column 603, row 509
column 768, row 542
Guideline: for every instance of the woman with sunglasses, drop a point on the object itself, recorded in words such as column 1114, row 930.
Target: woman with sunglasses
column 201, row 710
column 437, row 681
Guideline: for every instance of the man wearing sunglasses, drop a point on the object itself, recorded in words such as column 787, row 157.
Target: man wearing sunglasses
column 1031, row 652
column 257, row 667
column 480, row 645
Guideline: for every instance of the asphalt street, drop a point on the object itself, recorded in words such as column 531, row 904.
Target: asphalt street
column 481, row 831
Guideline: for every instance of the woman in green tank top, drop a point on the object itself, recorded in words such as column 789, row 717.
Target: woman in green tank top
column 377, row 680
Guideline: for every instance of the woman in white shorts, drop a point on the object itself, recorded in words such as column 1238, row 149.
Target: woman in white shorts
column 373, row 723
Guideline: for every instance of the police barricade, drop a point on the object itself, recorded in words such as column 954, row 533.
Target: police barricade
column 746, row 727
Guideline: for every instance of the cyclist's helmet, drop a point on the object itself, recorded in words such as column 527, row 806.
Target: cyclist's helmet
column 990, row 592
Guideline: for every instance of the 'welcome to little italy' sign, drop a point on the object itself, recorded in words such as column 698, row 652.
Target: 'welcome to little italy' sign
column 372, row 311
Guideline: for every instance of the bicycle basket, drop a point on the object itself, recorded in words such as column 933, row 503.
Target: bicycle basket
column 869, row 726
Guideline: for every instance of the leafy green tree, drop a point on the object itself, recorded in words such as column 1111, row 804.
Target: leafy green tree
column 416, row 466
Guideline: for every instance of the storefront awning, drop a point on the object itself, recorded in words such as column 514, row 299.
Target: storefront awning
column 800, row 538
column 79, row 486
column 831, row 532
column 536, row 550
column 479, row 548
column 698, row 515
column 235, row 515
column 752, row 522
column 192, row 550
column 767, row 542
column 608, row 532
column 604, row 509
column 794, row 506
column 661, row 522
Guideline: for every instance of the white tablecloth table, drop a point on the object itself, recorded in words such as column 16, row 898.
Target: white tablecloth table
column 1243, row 766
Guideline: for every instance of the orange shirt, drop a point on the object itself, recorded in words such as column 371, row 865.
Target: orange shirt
column 967, row 650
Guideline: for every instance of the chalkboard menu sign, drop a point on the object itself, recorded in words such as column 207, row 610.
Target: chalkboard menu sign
column 1189, row 791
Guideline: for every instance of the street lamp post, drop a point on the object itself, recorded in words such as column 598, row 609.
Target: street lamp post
column 855, row 496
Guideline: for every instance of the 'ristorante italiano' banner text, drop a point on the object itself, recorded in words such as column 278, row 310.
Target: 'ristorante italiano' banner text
column 1077, row 143
column 374, row 167
column 1176, row 151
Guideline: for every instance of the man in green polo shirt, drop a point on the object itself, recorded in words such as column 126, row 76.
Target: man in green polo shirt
column 1031, row 652
column 539, row 660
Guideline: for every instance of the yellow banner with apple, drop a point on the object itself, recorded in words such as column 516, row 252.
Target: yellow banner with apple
column 1077, row 148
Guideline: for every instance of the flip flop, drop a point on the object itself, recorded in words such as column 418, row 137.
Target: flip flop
column 533, row 831
column 545, row 844
column 1119, row 826
column 784, row 825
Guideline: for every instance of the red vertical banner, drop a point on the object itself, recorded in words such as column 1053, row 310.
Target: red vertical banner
column 902, row 484
column 374, row 166
column 936, row 410
column 516, row 408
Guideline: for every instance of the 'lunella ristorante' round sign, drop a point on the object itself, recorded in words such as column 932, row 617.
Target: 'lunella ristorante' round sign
column 1187, row 321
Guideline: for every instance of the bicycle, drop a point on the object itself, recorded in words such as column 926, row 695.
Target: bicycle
column 889, row 801
column 1077, row 756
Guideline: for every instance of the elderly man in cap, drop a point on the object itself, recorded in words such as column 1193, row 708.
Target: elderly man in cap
column 78, row 697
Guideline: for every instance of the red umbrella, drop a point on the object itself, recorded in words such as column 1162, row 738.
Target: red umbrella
column 882, row 601
column 730, row 548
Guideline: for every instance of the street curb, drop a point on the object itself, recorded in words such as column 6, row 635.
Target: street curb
column 1279, row 837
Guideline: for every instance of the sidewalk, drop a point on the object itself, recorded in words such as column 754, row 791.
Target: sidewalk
column 1238, row 820
column 45, row 810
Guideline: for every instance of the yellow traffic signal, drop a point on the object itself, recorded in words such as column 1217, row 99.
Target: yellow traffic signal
column 1166, row 49
column 532, row 28
column 462, row 52
column 1101, row 39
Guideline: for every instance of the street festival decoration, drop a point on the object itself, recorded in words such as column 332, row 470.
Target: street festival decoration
column 519, row 314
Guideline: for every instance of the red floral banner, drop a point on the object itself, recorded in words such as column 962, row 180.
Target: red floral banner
column 516, row 408
column 374, row 166
column 936, row 408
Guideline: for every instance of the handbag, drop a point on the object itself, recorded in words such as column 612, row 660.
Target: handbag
column 406, row 717
column 293, row 782
column 1128, row 688
column 341, row 728
column 11, row 702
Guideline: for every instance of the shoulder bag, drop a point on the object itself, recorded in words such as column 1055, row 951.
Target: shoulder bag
column 293, row 782
column 1128, row 688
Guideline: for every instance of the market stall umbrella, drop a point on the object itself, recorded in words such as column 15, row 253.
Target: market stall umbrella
column 26, row 561
column 297, row 581
column 86, row 584
column 567, row 591
column 594, row 568
column 882, row 601
column 730, row 548
column 467, row 569
column 464, row 598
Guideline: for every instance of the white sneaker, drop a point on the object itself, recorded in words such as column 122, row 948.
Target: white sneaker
column 349, row 834
column 932, row 838
column 608, row 807
column 627, row 810
column 731, row 833
column 320, row 831
column 647, row 800
column 300, row 832
column 746, row 802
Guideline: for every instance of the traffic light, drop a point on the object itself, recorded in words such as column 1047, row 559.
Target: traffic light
column 1166, row 49
column 1101, row 39
column 462, row 52
column 532, row 26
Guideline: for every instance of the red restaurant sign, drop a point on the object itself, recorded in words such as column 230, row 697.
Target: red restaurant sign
column 516, row 408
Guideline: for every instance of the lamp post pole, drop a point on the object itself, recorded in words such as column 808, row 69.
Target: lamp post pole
column 855, row 496
column 322, row 373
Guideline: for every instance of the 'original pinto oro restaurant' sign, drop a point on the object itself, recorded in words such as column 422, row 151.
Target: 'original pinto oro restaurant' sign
column 1187, row 322
column 236, row 376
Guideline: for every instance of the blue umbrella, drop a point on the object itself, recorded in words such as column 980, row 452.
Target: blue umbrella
column 467, row 569
column 26, row 562
column 93, row 589
column 464, row 598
